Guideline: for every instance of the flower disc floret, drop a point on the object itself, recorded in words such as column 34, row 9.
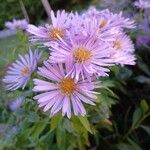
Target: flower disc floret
column 82, row 54
column 67, row 86
column 55, row 33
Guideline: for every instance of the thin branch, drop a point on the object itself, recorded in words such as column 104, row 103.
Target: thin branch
column 47, row 8
column 24, row 10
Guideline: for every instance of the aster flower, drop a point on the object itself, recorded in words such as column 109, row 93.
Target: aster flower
column 21, row 24
column 60, row 23
column 110, row 20
column 17, row 103
column 105, row 25
column 61, row 92
column 142, row 4
column 19, row 73
column 123, row 49
column 85, row 57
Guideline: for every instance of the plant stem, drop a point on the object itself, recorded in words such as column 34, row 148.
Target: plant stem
column 24, row 10
column 47, row 8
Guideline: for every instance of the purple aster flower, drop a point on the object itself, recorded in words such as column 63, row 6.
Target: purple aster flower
column 21, row 24
column 109, row 19
column 85, row 57
column 104, row 25
column 19, row 73
column 17, row 103
column 61, row 92
column 123, row 49
column 142, row 4
column 60, row 23
column 82, row 25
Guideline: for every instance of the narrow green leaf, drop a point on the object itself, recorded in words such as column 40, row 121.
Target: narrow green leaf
column 144, row 106
column 47, row 140
column 143, row 79
column 134, row 145
column 144, row 68
column 55, row 120
column 124, row 146
column 37, row 129
column 61, row 137
column 85, row 123
column 23, row 136
column 68, row 125
column 136, row 116
column 146, row 128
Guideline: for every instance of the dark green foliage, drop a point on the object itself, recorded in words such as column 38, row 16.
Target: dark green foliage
column 119, row 121
column 10, row 9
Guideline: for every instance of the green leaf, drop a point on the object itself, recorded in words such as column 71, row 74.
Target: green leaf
column 61, row 137
column 47, row 140
column 85, row 123
column 144, row 68
column 136, row 116
column 23, row 136
column 124, row 146
column 55, row 121
column 103, row 110
column 68, row 125
column 143, row 79
column 37, row 129
column 134, row 145
column 144, row 106
column 107, row 83
column 146, row 128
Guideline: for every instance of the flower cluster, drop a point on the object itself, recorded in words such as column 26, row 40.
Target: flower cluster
column 82, row 47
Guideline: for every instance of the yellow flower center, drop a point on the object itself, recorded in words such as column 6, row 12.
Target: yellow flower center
column 55, row 33
column 67, row 86
column 25, row 71
column 103, row 23
column 82, row 54
column 117, row 44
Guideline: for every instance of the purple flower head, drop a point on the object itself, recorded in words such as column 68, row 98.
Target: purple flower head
column 17, row 103
column 123, row 50
column 47, row 33
column 61, row 92
column 109, row 19
column 85, row 57
column 19, row 73
column 142, row 4
column 21, row 24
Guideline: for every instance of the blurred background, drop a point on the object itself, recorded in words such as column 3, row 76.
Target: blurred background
column 10, row 9
column 121, row 120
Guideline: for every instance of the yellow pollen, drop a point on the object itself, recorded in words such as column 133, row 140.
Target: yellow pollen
column 117, row 44
column 55, row 32
column 82, row 54
column 103, row 23
column 25, row 71
column 67, row 86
